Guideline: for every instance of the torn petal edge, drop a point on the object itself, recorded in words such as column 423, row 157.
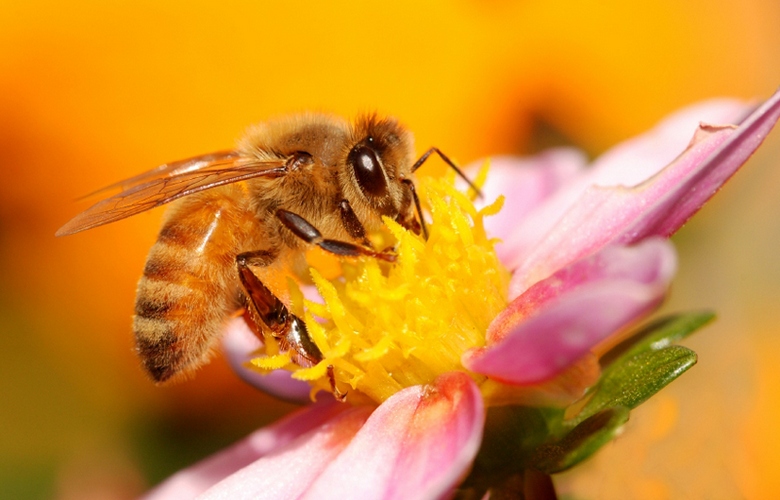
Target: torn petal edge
column 659, row 206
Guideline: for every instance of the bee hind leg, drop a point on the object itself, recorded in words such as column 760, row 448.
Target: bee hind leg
column 265, row 308
column 337, row 393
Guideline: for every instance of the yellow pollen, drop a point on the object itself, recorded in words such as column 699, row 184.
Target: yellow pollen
column 386, row 326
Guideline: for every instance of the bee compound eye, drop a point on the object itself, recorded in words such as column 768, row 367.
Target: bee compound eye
column 368, row 171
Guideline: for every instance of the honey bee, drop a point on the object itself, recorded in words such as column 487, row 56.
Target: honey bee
column 243, row 217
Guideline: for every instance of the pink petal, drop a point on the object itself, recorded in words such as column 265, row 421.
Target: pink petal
column 417, row 444
column 560, row 319
column 659, row 206
column 196, row 479
column 628, row 163
column 525, row 183
column 290, row 469
column 645, row 263
column 633, row 161
column 239, row 344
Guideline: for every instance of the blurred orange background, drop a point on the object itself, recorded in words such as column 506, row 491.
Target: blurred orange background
column 93, row 92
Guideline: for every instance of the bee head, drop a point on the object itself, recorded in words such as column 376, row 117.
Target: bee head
column 379, row 161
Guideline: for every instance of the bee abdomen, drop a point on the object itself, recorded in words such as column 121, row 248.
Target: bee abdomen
column 147, row 308
column 185, row 295
column 155, row 343
column 175, row 322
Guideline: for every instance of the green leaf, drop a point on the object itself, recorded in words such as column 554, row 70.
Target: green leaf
column 630, row 382
column 657, row 335
column 582, row 442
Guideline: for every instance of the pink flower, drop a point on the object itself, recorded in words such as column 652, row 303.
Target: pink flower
column 588, row 256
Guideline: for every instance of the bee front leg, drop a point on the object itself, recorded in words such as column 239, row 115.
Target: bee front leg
column 265, row 307
column 352, row 224
column 301, row 228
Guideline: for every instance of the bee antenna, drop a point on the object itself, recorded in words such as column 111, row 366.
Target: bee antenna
column 417, row 207
column 452, row 165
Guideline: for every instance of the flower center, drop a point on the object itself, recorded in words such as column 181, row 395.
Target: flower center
column 386, row 326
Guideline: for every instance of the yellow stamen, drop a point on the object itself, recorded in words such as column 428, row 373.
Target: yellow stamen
column 386, row 326
column 272, row 362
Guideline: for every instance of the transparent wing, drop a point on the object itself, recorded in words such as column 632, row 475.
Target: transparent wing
column 169, row 182
column 169, row 170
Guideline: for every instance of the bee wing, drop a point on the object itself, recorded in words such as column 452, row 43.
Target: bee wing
column 169, row 182
column 210, row 160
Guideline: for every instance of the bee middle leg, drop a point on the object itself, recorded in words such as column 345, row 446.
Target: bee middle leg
column 304, row 230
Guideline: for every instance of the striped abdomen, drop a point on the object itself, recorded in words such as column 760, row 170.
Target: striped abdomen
column 189, row 287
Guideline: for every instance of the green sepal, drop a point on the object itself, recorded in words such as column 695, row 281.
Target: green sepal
column 582, row 442
column 631, row 373
column 631, row 381
column 518, row 438
column 657, row 335
column 512, row 435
